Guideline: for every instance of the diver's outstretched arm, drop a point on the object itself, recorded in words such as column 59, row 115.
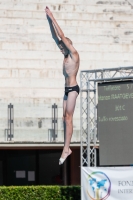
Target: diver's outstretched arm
column 60, row 33
column 53, row 31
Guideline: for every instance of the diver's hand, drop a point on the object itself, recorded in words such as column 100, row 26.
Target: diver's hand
column 49, row 13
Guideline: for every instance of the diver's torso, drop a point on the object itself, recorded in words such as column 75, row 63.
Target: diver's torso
column 70, row 69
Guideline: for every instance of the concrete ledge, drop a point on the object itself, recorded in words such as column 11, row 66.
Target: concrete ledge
column 40, row 145
column 36, row 145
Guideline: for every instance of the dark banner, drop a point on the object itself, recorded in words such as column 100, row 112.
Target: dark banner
column 115, row 123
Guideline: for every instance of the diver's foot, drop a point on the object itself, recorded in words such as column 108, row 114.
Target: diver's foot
column 64, row 156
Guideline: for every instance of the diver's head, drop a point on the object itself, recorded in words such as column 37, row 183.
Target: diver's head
column 63, row 47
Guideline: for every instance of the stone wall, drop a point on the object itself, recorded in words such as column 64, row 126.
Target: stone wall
column 31, row 64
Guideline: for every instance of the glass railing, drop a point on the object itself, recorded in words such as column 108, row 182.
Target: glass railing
column 26, row 122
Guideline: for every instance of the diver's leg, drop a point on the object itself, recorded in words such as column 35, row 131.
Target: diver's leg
column 64, row 115
column 69, row 110
column 63, row 118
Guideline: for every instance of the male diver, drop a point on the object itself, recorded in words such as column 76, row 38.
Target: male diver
column 70, row 69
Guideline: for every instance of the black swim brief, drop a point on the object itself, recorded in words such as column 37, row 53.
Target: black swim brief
column 71, row 89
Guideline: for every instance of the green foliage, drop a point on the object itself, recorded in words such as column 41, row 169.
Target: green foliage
column 40, row 193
